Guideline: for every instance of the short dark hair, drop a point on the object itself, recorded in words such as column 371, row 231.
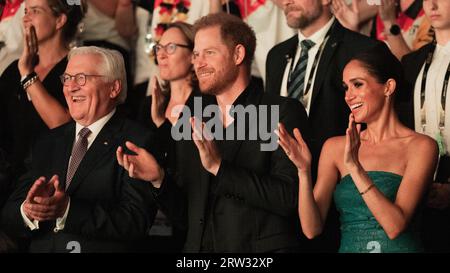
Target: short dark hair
column 233, row 31
column 382, row 65
column 74, row 14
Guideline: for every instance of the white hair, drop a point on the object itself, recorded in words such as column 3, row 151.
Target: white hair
column 113, row 65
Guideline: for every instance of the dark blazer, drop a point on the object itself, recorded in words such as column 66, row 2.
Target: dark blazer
column 328, row 115
column 412, row 64
column 251, row 204
column 108, row 210
column 435, row 222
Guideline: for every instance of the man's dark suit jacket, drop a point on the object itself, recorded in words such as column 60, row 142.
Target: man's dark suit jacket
column 108, row 210
column 251, row 205
column 412, row 64
column 328, row 115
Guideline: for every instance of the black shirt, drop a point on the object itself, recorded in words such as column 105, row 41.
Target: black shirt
column 20, row 122
column 225, row 150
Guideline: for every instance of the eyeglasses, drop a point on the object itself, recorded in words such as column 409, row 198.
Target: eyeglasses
column 80, row 78
column 169, row 48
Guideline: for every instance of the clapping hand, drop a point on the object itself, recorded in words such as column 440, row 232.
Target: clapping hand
column 387, row 11
column 158, row 102
column 45, row 201
column 142, row 165
column 348, row 16
column 352, row 144
column 29, row 58
column 295, row 148
column 209, row 153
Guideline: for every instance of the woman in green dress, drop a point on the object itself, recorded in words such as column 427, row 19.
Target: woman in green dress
column 377, row 176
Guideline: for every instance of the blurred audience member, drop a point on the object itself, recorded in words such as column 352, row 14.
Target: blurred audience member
column 11, row 34
column 427, row 109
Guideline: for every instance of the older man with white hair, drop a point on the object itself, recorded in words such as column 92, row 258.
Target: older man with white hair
column 76, row 198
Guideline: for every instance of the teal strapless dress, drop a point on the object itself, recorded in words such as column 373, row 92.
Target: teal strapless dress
column 360, row 231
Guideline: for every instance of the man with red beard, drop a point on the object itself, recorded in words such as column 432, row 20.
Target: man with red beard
column 238, row 197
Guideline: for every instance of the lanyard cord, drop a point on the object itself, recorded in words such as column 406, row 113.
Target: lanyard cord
column 423, row 85
column 314, row 66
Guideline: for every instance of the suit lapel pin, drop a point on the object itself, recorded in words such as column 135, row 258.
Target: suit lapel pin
column 106, row 143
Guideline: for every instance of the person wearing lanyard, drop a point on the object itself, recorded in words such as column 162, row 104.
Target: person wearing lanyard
column 427, row 110
column 308, row 67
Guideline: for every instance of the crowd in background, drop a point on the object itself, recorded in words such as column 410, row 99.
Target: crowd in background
column 363, row 137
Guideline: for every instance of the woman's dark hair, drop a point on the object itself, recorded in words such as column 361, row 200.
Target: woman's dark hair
column 74, row 14
column 382, row 65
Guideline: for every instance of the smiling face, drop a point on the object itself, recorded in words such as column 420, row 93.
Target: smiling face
column 302, row 13
column 97, row 97
column 438, row 13
column 39, row 14
column 213, row 62
column 363, row 93
column 178, row 64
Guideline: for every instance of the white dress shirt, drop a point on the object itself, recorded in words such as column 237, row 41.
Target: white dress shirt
column 95, row 128
column 433, row 91
column 317, row 38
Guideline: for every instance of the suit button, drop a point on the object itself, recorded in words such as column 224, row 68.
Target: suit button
column 201, row 222
column 227, row 195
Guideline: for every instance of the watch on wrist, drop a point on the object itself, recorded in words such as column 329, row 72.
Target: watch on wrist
column 395, row 30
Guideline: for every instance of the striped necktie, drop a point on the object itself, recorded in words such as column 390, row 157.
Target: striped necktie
column 78, row 151
column 296, row 83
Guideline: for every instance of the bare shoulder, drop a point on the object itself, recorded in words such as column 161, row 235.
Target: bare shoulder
column 337, row 140
column 334, row 146
column 422, row 157
column 421, row 144
column 421, row 141
column 334, row 143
